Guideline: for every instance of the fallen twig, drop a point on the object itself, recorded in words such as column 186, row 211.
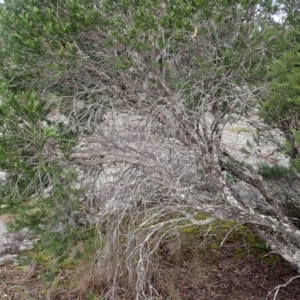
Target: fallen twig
column 278, row 287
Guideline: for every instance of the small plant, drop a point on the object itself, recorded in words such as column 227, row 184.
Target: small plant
column 296, row 164
column 276, row 172
column 239, row 129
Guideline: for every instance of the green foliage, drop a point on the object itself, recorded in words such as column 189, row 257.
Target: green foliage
column 284, row 90
column 37, row 37
column 276, row 172
column 70, row 253
column 281, row 107
column 54, row 54
column 296, row 164
column 25, row 147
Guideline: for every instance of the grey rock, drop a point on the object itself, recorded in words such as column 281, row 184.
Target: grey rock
column 12, row 244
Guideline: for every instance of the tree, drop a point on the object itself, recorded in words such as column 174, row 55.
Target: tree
column 280, row 106
column 147, row 87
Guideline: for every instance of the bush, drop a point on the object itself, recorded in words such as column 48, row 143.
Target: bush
column 276, row 172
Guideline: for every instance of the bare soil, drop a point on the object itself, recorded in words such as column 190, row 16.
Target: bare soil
column 230, row 276
column 199, row 269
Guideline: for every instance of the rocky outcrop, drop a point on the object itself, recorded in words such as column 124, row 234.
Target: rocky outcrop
column 11, row 244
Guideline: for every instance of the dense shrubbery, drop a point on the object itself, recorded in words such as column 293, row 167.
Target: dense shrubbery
column 188, row 68
column 276, row 172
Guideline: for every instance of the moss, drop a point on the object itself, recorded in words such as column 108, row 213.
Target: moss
column 41, row 257
column 57, row 283
column 203, row 243
column 239, row 129
column 189, row 229
column 226, row 224
column 201, row 216
column 68, row 263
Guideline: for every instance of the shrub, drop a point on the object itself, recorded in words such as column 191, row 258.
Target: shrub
column 276, row 172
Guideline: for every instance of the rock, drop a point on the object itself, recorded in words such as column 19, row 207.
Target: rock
column 7, row 259
column 12, row 244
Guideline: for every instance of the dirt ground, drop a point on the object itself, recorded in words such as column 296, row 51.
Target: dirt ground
column 243, row 268
column 232, row 279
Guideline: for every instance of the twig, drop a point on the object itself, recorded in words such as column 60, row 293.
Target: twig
column 277, row 288
column 223, row 241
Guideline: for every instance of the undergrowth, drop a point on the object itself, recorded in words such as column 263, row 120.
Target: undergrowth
column 72, row 261
column 276, row 172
